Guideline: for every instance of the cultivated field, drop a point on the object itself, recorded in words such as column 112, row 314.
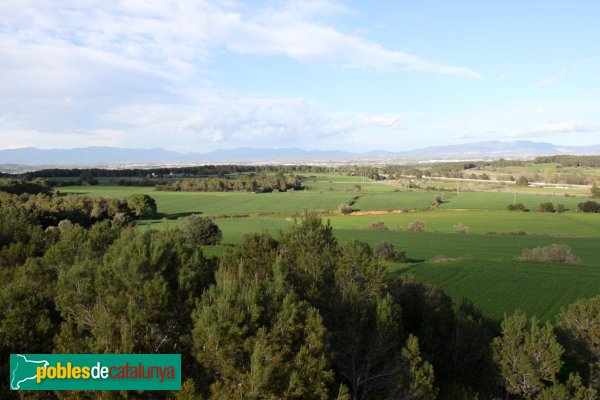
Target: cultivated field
column 480, row 265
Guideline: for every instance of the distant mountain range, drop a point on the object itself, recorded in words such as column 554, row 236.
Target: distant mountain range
column 113, row 156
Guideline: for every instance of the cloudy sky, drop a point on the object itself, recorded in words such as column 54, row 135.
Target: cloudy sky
column 193, row 75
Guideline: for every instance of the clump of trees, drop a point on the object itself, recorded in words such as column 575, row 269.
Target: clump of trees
column 201, row 231
column 50, row 209
column 589, row 207
column 142, row 205
column 244, row 183
column 17, row 186
column 556, row 253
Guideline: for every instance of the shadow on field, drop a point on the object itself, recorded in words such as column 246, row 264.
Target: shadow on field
column 177, row 215
column 63, row 194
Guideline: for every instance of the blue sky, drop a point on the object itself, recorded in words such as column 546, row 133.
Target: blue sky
column 192, row 75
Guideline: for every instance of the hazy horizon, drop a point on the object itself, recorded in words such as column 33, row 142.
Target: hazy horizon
column 197, row 76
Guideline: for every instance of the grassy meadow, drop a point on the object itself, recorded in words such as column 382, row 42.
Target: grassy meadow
column 481, row 265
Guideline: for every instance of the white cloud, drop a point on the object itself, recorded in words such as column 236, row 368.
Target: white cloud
column 556, row 128
column 130, row 73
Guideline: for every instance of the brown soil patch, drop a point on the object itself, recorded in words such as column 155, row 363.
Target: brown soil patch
column 382, row 212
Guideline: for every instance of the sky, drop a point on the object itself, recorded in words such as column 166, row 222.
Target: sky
column 196, row 76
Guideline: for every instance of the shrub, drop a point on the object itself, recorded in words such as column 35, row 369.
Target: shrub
column 417, row 226
column 386, row 251
column 522, row 181
column 558, row 253
column 516, row 207
column 595, row 191
column 437, row 200
column 546, row 207
column 200, row 230
column 589, row 207
column 460, row 228
column 345, row 209
column 560, row 208
column 378, row 226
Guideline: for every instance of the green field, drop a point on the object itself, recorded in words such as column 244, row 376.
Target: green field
column 215, row 204
column 480, row 265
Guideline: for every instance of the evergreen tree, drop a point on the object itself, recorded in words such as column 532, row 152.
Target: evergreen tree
column 580, row 326
column 254, row 337
column 527, row 354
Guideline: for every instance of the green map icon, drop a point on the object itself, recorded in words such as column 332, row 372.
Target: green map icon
column 23, row 370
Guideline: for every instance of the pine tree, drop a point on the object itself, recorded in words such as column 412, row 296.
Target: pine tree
column 527, row 354
column 580, row 324
column 417, row 378
column 253, row 335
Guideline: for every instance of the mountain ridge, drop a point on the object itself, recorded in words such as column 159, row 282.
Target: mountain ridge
column 104, row 155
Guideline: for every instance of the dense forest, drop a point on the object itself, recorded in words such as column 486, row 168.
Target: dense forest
column 297, row 317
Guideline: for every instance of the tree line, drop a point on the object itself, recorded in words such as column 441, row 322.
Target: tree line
column 261, row 183
column 198, row 171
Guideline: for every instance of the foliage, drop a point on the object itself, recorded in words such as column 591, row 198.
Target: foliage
column 580, row 326
column 595, row 191
column 245, row 183
column 546, row 206
column 201, row 231
column 558, row 253
column 589, row 207
column 345, row 209
column 386, row 251
column 142, row 205
column 516, row 207
column 16, row 186
column 528, row 355
column 416, row 226
column 460, row 228
column 522, row 181
column 378, row 226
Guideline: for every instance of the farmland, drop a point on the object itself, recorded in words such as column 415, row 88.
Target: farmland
column 480, row 265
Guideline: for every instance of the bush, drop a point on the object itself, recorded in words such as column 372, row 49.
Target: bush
column 378, row 226
column 595, row 191
column 516, row 207
column 345, row 209
column 200, row 230
column 460, row 228
column 546, row 207
column 560, row 208
column 589, row 207
column 417, row 226
column 558, row 253
column 386, row 251
column 522, row 181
